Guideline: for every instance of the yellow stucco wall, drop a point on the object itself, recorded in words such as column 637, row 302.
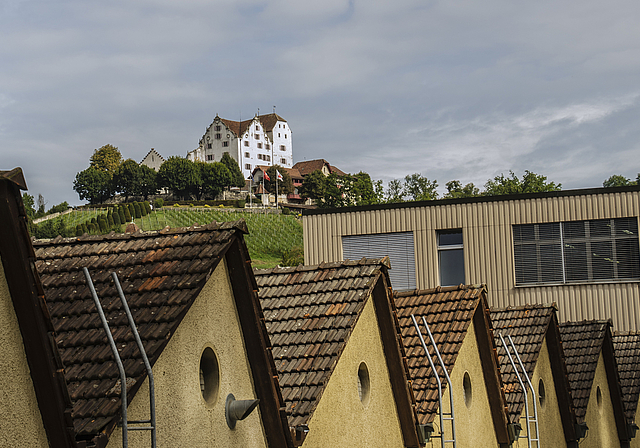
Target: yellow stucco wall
column 549, row 420
column 20, row 420
column 474, row 425
column 599, row 417
column 635, row 442
column 341, row 419
column 184, row 418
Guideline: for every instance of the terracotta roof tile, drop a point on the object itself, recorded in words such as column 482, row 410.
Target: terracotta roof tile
column 527, row 325
column 448, row 312
column 582, row 343
column 310, row 313
column 627, row 352
column 161, row 274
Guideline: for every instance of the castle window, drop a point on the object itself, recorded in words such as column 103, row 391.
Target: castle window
column 246, row 143
column 259, row 156
column 267, row 158
column 225, row 144
column 283, row 148
column 209, row 157
column 217, row 127
column 257, row 136
column 259, row 145
column 247, row 155
column 283, row 161
column 267, row 146
column 208, row 145
column 218, row 136
column 247, row 166
column 285, row 135
column 257, row 128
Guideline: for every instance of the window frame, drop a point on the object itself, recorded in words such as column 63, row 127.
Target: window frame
column 449, row 248
column 579, row 255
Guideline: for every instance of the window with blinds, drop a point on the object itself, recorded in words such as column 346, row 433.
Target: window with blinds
column 397, row 246
column 577, row 251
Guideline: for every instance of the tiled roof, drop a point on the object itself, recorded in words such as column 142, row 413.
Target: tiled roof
column 449, row 312
column 161, row 274
column 309, row 166
column 268, row 121
column 310, row 312
column 527, row 325
column 627, row 351
column 582, row 342
column 292, row 172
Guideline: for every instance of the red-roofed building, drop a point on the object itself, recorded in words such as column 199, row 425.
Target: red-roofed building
column 262, row 140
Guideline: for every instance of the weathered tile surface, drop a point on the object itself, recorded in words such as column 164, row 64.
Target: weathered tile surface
column 161, row 274
column 627, row 351
column 582, row 343
column 448, row 312
column 310, row 312
column 527, row 325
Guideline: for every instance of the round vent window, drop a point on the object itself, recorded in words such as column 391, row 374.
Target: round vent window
column 466, row 386
column 364, row 384
column 542, row 393
column 209, row 375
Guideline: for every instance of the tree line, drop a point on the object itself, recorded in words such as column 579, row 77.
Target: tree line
column 108, row 175
column 358, row 189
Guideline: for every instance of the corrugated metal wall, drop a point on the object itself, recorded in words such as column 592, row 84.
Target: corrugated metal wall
column 488, row 247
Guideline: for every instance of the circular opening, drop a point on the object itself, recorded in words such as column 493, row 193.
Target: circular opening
column 542, row 393
column 364, row 385
column 598, row 396
column 466, row 386
column 209, row 375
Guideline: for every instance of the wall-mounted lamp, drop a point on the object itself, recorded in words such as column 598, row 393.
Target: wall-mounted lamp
column 235, row 410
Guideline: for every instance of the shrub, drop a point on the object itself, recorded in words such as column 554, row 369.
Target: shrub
column 136, row 210
column 158, row 202
column 116, row 218
column 293, row 256
column 122, row 215
column 240, row 204
column 147, row 207
column 127, row 215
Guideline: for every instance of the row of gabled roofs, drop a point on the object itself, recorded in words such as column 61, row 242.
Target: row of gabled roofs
column 296, row 322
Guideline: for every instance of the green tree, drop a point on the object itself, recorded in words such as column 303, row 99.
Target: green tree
column 456, row 190
column 148, row 182
column 530, row 183
column 394, row 191
column 61, row 207
column 180, row 176
column 237, row 178
column 348, row 191
column 314, row 185
column 214, row 178
column 29, row 205
column 419, row 188
column 106, row 158
column 127, row 179
column 93, row 185
column 285, row 186
column 618, row 180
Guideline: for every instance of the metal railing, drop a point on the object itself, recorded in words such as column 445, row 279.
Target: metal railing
column 530, row 419
column 123, row 377
column 444, row 416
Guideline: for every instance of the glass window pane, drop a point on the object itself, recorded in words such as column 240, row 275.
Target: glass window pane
column 446, row 238
column 575, row 261
column 451, row 267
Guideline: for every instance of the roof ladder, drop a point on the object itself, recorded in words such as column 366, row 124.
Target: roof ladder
column 123, row 378
column 444, row 416
column 532, row 420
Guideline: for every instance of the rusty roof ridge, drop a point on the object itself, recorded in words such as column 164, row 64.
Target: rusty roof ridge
column 438, row 289
column 526, row 306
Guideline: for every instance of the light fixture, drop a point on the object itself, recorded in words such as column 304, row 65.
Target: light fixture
column 235, row 410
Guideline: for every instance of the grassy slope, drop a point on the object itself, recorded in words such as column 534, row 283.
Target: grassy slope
column 269, row 234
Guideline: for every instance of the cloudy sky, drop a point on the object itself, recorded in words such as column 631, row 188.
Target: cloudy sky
column 450, row 89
